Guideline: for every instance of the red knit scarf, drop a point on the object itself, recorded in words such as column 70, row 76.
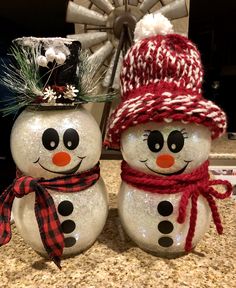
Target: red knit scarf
column 190, row 185
column 45, row 210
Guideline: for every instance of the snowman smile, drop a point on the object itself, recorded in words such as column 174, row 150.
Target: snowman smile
column 70, row 171
column 168, row 174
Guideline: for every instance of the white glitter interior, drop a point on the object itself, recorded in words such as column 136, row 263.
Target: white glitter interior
column 27, row 146
column 89, row 214
column 138, row 209
column 140, row 218
column 196, row 147
column 91, row 205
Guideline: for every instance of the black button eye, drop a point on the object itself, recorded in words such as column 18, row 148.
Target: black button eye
column 50, row 139
column 71, row 138
column 175, row 141
column 155, row 141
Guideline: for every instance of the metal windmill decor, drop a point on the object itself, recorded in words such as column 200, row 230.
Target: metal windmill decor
column 106, row 27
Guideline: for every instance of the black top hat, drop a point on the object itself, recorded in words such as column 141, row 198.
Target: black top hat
column 49, row 72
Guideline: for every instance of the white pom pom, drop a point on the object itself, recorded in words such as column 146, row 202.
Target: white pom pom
column 152, row 24
column 50, row 54
column 60, row 58
column 42, row 61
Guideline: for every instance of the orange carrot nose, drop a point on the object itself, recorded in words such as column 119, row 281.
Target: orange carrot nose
column 165, row 161
column 61, row 159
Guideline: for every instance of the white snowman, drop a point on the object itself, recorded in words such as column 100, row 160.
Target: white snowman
column 60, row 202
column 49, row 144
column 164, row 129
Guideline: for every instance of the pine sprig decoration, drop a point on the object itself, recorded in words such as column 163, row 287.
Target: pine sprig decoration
column 88, row 83
column 21, row 77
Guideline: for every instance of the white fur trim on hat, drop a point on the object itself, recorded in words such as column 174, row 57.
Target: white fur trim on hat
column 152, row 24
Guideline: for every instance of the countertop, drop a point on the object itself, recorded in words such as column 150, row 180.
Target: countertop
column 223, row 148
column 115, row 261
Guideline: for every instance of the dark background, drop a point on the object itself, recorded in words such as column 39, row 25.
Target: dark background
column 212, row 26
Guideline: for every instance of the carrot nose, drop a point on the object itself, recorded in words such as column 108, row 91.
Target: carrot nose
column 61, row 159
column 165, row 161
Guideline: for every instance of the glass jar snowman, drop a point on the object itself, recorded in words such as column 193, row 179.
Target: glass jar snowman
column 56, row 145
column 165, row 150
column 164, row 128
column 48, row 143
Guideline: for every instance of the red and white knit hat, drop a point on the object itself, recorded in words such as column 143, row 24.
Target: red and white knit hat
column 161, row 80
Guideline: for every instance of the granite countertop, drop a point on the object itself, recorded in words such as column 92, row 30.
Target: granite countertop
column 115, row 261
column 223, row 148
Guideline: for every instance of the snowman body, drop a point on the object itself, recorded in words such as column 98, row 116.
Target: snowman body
column 52, row 143
column 162, row 149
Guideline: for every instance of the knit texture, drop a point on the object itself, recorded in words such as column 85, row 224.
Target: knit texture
column 161, row 80
column 45, row 210
column 191, row 186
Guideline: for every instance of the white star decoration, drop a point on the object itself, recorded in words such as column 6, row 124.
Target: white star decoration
column 50, row 95
column 70, row 92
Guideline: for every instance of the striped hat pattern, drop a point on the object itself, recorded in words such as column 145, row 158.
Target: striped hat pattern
column 161, row 80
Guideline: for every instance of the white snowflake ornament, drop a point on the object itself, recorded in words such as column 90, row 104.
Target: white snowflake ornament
column 50, row 95
column 70, row 92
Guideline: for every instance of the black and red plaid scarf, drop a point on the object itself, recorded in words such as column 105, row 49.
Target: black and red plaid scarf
column 45, row 210
column 191, row 186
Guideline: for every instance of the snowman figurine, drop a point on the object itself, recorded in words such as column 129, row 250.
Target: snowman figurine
column 60, row 202
column 164, row 129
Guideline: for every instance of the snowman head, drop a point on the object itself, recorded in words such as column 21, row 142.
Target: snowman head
column 166, row 149
column 54, row 143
